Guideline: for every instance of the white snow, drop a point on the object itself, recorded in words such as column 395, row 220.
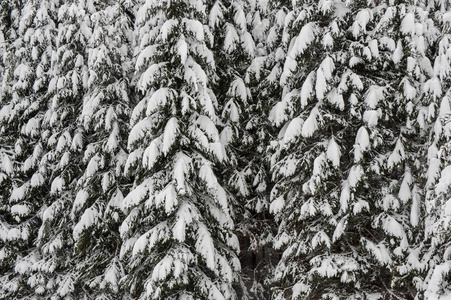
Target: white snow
column 333, row 152
column 415, row 208
column 162, row 270
column 144, row 56
column 327, row 66
column 308, row 209
column 185, row 216
column 7, row 165
column 113, row 140
column 149, row 75
column 359, row 206
column 355, row 175
column 170, row 134
column 390, row 202
column 32, row 127
column 231, row 38
column 205, row 246
column 157, row 234
column 20, row 210
column 345, row 196
column 361, row 20
column 158, row 99
column 112, row 276
column 362, row 143
column 277, row 205
column 36, row 180
column 321, row 84
column 318, row 164
column 49, row 212
column 340, row 228
column 278, row 113
column 167, row 198
column 303, row 40
column 380, row 251
column 444, row 184
column 216, row 14
column 324, row 266
column 311, row 124
column 23, row 266
column 374, row 95
column 374, row 47
column 397, row 155
column 80, row 200
column 398, row 53
column 66, row 286
column 248, row 43
column 307, row 89
column 182, row 50
column 167, row 28
column 238, row 89
column 136, row 195
column 139, row 131
column 371, row 117
column 409, row 91
column 182, row 167
column 408, row 24
column 436, row 280
column 57, row 185
column 434, row 87
column 93, row 166
column 110, row 118
column 320, row 238
column 87, row 220
column 232, row 109
column 195, row 75
column 64, row 160
column 239, row 17
column 287, row 167
column 63, row 141
column 293, row 130
column 18, row 193
column 336, row 98
column 208, row 176
column 328, row 41
column 77, row 142
column 404, row 193
column 195, row 27
column 391, row 226
column 151, row 153
column 300, row 288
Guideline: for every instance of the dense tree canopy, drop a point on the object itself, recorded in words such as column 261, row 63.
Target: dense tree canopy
column 225, row 149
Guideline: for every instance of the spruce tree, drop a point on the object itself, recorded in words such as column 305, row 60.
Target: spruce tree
column 12, row 243
column 433, row 281
column 63, row 140
column 27, row 56
column 240, row 29
column 105, row 121
column 178, row 233
column 345, row 166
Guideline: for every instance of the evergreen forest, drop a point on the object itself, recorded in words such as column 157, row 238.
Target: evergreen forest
column 225, row 149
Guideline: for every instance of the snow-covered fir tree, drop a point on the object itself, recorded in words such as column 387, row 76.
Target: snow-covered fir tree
column 105, row 119
column 27, row 63
column 436, row 259
column 10, row 243
column 178, row 233
column 240, row 29
column 63, row 140
column 346, row 169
